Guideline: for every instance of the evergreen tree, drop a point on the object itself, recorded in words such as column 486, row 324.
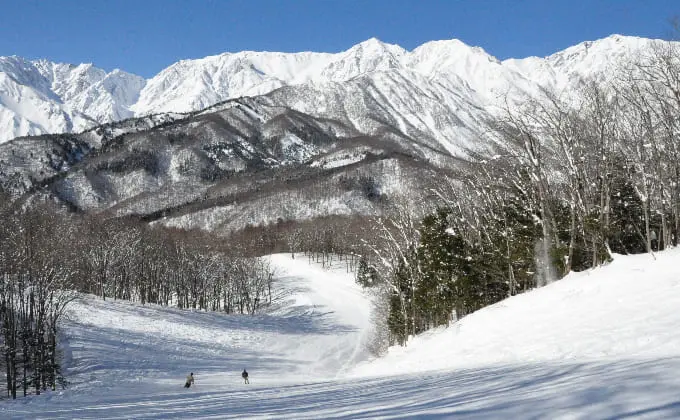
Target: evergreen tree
column 435, row 291
column 367, row 275
column 626, row 235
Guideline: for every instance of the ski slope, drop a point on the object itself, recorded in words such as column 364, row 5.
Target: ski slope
column 601, row 344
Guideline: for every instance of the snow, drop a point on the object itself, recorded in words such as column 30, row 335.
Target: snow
column 340, row 162
column 442, row 88
column 598, row 344
column 295, row 149
column 606, row 313
column 119, row 350
column 45, row 97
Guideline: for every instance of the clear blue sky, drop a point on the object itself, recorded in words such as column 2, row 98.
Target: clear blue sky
column 144, row 36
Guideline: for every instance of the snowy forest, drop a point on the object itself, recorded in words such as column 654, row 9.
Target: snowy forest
column 560, row 183
column 556, row 185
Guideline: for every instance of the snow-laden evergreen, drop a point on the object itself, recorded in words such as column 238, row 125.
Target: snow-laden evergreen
column 603, row 343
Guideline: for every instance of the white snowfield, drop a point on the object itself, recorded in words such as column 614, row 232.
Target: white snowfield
column 603, row 344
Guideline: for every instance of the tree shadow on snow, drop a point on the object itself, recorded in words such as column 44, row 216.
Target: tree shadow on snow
column 137, row 354
column 593, row 390
column 297, row 319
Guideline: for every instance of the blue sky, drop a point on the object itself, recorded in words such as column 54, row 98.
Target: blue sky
column 144, row 36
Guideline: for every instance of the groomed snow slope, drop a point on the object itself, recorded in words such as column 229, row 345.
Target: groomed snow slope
column 599, row 344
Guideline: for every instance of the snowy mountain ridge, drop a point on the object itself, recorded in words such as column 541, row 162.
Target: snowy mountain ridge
column 39, row 96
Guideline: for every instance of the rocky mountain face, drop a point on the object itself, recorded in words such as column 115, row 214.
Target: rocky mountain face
column 38, row 97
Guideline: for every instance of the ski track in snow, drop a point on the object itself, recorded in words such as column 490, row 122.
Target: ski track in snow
column 600, row 344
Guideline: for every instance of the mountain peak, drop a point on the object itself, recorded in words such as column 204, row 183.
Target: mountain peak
column 599, row 52
column 376, row 46
column 365, row 57
column 452, row 46
column 372, row 42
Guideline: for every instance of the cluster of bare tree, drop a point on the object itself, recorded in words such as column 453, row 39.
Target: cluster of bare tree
column 326, row 236
column 132, row 261
column 35, row 283
column 599, row 167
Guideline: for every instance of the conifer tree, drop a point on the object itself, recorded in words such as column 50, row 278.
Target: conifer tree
column 367, row 275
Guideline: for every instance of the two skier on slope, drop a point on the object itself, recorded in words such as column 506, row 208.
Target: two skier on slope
column 190, row 378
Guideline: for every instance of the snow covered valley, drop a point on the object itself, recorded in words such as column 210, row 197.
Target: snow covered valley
column 598, row 344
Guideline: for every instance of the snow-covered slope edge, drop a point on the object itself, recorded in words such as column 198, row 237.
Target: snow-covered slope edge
column 626, row 309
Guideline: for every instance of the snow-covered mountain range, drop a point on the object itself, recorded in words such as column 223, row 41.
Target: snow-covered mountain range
column 440, row 90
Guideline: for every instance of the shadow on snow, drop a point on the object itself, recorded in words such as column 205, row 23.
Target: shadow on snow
column 598, row 389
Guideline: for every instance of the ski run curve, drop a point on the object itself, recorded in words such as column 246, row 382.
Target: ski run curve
column 601, row 344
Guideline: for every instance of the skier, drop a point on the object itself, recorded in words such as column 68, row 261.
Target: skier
column 244, row 375
column 653, row 241
column 190, row 380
